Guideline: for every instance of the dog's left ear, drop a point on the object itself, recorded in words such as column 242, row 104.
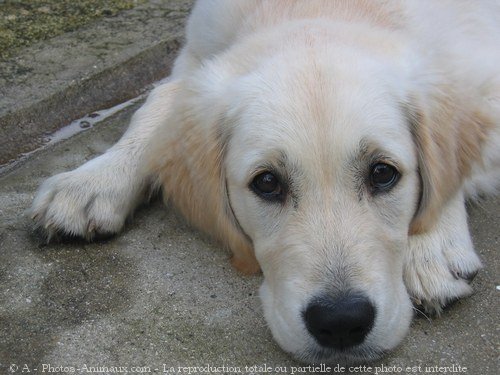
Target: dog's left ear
column 448, row 135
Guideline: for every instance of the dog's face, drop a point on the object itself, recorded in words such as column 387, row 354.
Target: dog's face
column 321, row 174
column 325, row 161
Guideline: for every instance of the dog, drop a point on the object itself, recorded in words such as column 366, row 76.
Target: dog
column 329, row 144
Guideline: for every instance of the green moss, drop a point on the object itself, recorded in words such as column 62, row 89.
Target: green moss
column 24, row 22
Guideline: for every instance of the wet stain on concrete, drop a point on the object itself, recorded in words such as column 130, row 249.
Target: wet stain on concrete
column 86, row 282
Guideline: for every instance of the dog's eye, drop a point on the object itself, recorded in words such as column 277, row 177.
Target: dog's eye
column 383, row 177
column 267, row 186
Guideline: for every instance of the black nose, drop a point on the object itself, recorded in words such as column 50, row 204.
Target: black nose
column 340, row 322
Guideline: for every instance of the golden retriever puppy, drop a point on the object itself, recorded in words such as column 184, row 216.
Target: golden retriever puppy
column 330, row 144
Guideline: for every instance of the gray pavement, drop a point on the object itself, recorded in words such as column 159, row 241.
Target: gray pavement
column 161, row 295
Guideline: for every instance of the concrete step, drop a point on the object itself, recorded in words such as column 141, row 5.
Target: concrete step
column 49, row 84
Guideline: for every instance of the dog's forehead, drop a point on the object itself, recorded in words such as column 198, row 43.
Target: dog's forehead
column 315, row 118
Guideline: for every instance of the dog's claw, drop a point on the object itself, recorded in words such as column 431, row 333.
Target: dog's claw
column 91, row 227
column 455, row 274
column 416, row 301
column 91, row 230
column 470, row 276
column 464, row 276
column 49, row 225
column 50, row 234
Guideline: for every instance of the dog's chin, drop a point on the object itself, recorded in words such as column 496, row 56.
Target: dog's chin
column 347, row 357
column 310, row 352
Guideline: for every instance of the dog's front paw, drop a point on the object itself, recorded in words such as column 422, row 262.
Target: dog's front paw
column 439, row 267
column 87, row 201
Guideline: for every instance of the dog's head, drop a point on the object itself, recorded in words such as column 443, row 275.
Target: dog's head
column 328, row 163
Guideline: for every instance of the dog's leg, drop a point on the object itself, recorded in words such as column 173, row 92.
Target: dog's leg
column 98, row 196
column 440, row 264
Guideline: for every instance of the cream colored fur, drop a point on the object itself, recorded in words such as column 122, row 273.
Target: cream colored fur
column 316, row 90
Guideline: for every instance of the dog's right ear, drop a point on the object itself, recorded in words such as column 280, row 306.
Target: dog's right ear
column 448, row 135
column 189, row 153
